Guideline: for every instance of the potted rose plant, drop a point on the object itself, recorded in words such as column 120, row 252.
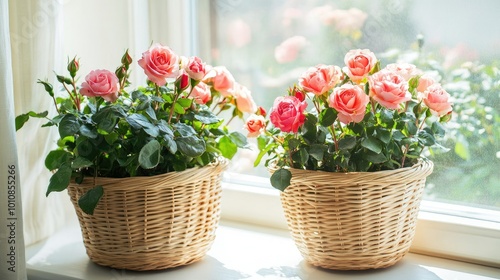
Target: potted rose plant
column 351, row 168
column 147, row 158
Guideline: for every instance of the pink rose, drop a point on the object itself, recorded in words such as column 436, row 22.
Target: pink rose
column 287, row 113
column 289, row 49
column 196, row 68
column 221, row 80
column 244, row 99
column 389, row 89
column 320, row 79
column 359, row 63
column 350, row 102
column 101, row 83
column 424, row 82
column 201, row 93
column 437, row 99
column 255, row 124
column 406, row 70
column 159, row 64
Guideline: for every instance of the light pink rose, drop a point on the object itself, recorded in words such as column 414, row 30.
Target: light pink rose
column 289, row 49
column 389, row 89
column 159, row 64
column 287, row 113
column 221, row 80
column 350, row 102
column 359, row 63
column 201, row 93
column 424, row 82
column 196, row 68
column 320, row 79
column 406, row 70
column 437, row 99
column 255, row 124
column 244, row 99
column 101, row 83
column 239, row 33
column 345, row 21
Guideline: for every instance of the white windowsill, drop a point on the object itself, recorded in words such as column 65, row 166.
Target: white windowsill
column 240, row 251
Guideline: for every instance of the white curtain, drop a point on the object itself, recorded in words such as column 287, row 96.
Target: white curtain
column 36, row 46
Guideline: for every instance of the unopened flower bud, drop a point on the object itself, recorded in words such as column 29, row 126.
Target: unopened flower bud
column 73, row 67
column 121, row 72
column 182, row 82
column 48, row 87
column 126, row 59
column 261, row 111
column 63, row 80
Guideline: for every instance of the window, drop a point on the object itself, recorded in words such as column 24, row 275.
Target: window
column 267, row 44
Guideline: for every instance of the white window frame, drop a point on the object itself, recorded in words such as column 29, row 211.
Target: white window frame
column 443, row 230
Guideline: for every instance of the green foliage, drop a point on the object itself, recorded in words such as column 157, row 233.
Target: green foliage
column 147, row 131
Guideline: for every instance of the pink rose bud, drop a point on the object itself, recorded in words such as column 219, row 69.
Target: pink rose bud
column 438, row 100
column 297, row 93
column 101, row 83
column 261, row 111
column 287, row 113
column 182, row 82
column 121, row 72
column 159, row 63
column 359, row 63
column 126, row 59
column 320, row 79
column 73, row 67
column 196, row 68
column 201, row 93
column 389, row 89
column 350, row 102
column 255, row 124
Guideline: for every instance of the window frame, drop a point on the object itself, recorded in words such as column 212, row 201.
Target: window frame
column 443, row 230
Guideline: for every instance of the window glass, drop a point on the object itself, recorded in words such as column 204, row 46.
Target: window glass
column 267, row 44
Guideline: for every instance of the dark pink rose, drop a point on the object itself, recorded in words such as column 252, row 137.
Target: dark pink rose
column 101, row 83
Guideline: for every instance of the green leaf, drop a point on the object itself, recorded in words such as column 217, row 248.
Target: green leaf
column 426, row 138
column 317, row 151
column 301, row 156
column 383, row 135
column 185, row 102
column 179, row 109
column 191, row 146
column 149, row 156
column 347, row 143
column 372, row 144
column 184, row 129
column 412, row 128
column 281, row 179
column 170, row 143
column 375, row 157
column 327, row 117
column 90, row 199
column 309, row 129
column 438, row 129
column 68, row 126
column 23, row 118
column 56, row 159
column 60, row 180
column 227, row 147
column 138, row 121
column 206, row 117
column 89, row 131
column 239, row 139
column 81, row 162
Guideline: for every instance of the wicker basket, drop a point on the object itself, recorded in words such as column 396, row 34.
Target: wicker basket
column 354, row 221
column 152, row 223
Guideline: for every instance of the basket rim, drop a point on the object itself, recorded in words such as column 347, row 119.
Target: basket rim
column 191, row 174
column 424, row 164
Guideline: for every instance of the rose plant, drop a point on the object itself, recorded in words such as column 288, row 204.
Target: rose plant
column 363, row 118
column 170, row 124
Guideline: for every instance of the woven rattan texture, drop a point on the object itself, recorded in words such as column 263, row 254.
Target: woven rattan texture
column 152, row 223
column 354, row 221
